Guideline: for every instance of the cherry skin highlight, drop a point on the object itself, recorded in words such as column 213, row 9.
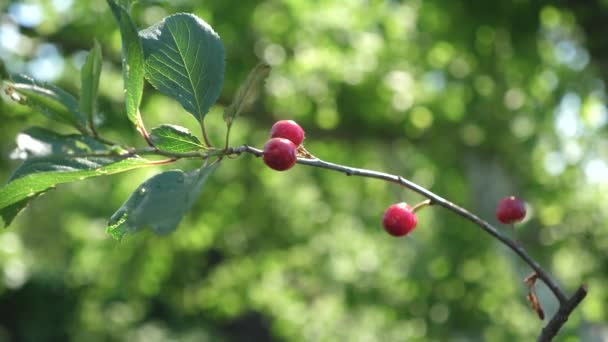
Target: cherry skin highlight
column 510, row 210
column 287, row 129
column 280, row 154
column 399, row 219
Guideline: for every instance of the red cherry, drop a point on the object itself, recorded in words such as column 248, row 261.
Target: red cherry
column 280, row 154
column 287, row 129
column 399, row 219
column 510, row 209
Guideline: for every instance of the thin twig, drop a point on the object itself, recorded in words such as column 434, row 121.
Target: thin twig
column 104, row 140
column 567, row 305
column 436, row 200
column 176, row 155
column 136, row 151
column 163, row 162
column 227, row 143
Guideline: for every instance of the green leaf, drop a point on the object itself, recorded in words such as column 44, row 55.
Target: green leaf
column 54, row 159
column 159, row 203
column 89, row 79
column 132, row 62
column 184, row 59
column 46, row 174
column 46, row 150
column 4, row 74
column 247, row 92
column 175, row 139
column 40, row 142
column 9, row 213
column 46, row 98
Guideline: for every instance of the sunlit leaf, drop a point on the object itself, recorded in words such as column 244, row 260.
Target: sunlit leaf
column 175, row 139
column 159, row 203
column 132, row 62
column 46, row 98
column 40, row 142
column 184, row 59
column 53, row 159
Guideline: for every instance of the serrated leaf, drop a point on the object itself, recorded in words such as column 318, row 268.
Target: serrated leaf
column 89, row 80
column 54, row 159
column 184, row 59
column 132, row 62
column 46, row 98
column 159, row 203
column 247, row 92
column 175, row 139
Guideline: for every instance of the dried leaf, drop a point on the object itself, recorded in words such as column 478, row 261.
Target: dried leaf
column 530, row 280
column 535, row 305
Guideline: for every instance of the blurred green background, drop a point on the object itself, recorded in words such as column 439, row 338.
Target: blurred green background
column 474, row 100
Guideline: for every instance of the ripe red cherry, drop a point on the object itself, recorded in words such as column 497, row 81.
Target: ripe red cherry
column 399, row 219
column 287, row 129
column 510, row 209
column 280, row 154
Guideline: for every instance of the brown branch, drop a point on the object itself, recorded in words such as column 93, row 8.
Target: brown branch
column 435, row 200
column 566, row 305
column 561, row 316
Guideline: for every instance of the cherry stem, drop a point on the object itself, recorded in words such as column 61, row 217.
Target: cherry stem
column 421, row 205
column 515, row 234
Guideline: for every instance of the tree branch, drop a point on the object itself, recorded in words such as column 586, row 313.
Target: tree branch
column 435, row 200
column 566, row 305
column 131, row 152
column 561, row 316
